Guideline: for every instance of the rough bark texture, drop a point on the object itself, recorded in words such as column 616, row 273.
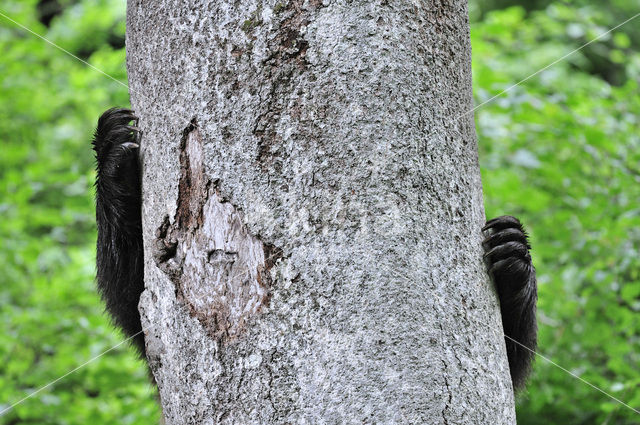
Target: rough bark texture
column 312, row 214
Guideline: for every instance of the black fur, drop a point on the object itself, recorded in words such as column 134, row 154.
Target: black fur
column 119, row 251
column 118, row 201
column 509, row 264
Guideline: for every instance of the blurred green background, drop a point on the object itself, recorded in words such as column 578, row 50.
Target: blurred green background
column 561, row 151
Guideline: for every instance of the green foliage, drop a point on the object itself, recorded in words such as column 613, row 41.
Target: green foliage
column 561, row 151
column 52, row 317
column 581, row 21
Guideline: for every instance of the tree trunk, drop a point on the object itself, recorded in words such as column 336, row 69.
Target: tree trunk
column 312, row 214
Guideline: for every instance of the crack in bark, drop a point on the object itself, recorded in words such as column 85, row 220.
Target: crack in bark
column 448, row 403
column 287, row 59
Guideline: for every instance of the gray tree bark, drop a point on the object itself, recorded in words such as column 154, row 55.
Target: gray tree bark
column 312, row 214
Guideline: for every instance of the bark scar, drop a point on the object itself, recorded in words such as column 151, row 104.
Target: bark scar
column 221, row 271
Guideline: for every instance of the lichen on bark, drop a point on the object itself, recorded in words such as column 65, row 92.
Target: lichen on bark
column 328, row 143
